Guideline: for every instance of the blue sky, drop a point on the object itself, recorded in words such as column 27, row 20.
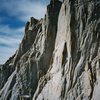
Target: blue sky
column 13, row 16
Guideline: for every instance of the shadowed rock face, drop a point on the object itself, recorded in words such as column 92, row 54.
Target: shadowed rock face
column 59, row 57
column 6, row 70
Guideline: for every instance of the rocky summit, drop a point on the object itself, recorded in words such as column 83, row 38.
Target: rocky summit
column 59, row 56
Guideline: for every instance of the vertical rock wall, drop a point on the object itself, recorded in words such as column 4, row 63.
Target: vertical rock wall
column 74, row 72
column 59, row 57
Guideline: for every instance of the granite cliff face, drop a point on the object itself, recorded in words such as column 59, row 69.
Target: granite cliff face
column 59, row 57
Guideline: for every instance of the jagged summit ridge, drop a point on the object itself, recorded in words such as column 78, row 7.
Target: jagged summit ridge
column 59, row 56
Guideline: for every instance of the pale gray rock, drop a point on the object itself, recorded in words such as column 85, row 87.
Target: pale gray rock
column 73, row 72
column 5, row 92
column 59, row 56
column 6, row 70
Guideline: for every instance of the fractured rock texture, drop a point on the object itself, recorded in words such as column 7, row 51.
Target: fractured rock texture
column 59, row 57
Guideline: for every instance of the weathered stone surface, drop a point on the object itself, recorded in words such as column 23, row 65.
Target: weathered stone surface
column 73, row 72
column 59, row 57
column 5, row 92
column 6, row 70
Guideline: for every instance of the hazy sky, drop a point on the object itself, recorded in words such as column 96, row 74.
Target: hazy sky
column 13, row 16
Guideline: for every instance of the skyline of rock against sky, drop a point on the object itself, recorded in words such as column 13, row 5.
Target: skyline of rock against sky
column 13, row 16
